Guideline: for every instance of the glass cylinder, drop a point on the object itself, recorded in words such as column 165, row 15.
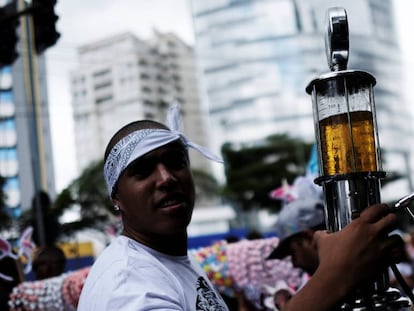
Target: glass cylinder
column 344, row 115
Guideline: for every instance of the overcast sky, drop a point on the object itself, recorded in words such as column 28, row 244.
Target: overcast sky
column 83, row 21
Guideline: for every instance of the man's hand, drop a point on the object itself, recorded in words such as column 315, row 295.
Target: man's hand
column 359, row 252
column 363, row 248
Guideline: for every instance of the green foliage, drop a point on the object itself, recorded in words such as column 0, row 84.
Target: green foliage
column 205, row 183
column 88, row 192
column 253, row 170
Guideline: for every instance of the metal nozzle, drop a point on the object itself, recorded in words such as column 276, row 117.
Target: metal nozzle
column 404, row 203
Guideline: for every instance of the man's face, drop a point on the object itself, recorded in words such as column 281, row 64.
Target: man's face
column 281, row 298
column 303, row 252
column 156, row 193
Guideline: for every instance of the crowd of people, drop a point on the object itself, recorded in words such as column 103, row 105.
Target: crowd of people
column 149, row 266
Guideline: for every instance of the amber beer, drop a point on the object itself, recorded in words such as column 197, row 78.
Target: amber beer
column 348, row 143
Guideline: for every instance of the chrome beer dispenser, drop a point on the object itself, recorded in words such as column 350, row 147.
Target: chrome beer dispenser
column 348, row 151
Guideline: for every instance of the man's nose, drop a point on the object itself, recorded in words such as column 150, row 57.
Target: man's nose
column 294, row 262
column 165, row 176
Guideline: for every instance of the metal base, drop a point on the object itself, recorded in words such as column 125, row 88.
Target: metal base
column 391, row 300
column 346, row 196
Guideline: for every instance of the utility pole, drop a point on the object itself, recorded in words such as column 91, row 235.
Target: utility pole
column 37, row 33
column 34, row 109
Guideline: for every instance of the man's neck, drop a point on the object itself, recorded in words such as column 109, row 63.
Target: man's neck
column 174, row 244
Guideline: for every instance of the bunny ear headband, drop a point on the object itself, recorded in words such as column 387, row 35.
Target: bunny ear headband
column 24, row 248
column 140, row 142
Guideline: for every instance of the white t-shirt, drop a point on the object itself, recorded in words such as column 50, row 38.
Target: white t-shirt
column 129, row 276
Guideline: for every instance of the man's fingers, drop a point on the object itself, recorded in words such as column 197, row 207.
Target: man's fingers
column 387, row 223
column 380, row 217
column 394, row 249
column 375, row 212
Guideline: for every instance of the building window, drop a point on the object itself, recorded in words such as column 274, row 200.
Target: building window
column 102, row 85
column 149, row 116
column 102, row 73
column 146, row 89
column 78, row 80
column 104, row 99
column 148, row 103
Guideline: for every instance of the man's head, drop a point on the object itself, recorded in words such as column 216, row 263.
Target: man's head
column 147, row 173
column 148, row 177
column 49, row 262
column 295, row 227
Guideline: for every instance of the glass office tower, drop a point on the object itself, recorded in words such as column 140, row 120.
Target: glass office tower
column 8, row 143
column 257, row 57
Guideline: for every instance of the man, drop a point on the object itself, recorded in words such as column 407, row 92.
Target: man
column 147, row 268
column 148, row 175
column 339, row 260
column 49, row 262
column 296, row 224
column 295, row 227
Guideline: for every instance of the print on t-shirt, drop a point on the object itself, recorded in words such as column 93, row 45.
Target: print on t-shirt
column 207, row 300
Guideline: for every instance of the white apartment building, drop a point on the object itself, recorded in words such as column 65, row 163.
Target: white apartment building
column 124, row 78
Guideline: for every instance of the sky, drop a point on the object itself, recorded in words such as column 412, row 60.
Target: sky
column 85, row 21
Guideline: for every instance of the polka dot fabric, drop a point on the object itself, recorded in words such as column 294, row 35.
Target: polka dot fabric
column 248, row 264
column 243, row 265
column 213, row 260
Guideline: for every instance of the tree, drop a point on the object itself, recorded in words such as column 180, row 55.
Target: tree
column 207, row 187
column 253, row 170
column 88, row 192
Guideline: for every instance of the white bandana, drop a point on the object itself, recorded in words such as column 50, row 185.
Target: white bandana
column 140, row 142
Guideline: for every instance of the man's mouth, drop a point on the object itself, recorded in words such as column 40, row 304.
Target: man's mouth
column 172, row 202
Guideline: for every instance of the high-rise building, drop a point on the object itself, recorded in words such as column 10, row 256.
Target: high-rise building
column 257, row 57
column 122, row 79
column 26, row 159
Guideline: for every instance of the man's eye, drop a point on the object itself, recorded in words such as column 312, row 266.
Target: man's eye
column 141, row 168
column 175, row 160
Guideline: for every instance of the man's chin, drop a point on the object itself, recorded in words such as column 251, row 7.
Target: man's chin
column 310, row 271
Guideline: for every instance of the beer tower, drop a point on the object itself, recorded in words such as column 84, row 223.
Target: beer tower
column 348, row 152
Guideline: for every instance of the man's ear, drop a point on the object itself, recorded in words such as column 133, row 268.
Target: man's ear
column 308, row 233
column 115, row 201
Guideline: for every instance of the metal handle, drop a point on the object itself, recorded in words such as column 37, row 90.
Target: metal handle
column 337, row 39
